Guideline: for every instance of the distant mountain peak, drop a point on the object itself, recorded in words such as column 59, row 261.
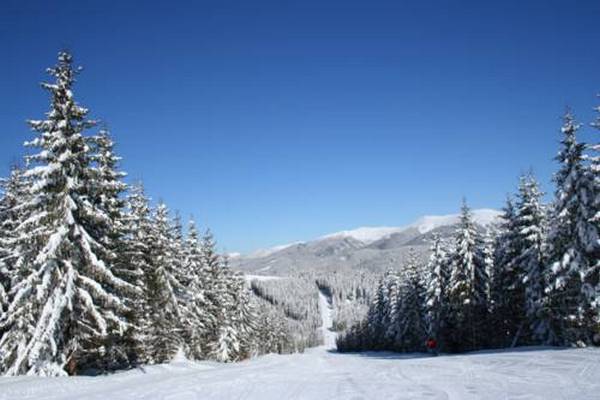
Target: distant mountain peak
column 368, row 235
column 372, row 248
column 365, row 234
column 482, row 216
column 371, row 234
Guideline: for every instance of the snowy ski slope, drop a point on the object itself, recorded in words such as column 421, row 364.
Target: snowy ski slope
column 321, row 373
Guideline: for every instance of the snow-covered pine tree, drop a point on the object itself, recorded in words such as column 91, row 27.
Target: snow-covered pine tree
column 567, row 253
column 185, row 298
column 164, row 337
column 468, row 283
column 589, row 232
column 63, row 304
column 107, row 185
column 216, row 286
column 227, row 346
column 272, row 334
column 198, row 284
column 377, row 311
column 532, row 230
column 436, row 291
column 487, row 252
column 412, row 318
column 223, row 338
column 244, row 316
column 506, row 282
column 14, row 192
column 391, row 317
column 137, row 256
column 107, row 194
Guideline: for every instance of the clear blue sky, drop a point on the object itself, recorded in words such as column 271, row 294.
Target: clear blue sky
column 280, row 121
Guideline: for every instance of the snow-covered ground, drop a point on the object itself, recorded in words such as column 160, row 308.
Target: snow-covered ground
column 321, row 373
column 250, row 277
column 327, row 321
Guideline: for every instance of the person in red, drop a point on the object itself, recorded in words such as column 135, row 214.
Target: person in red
column 431, row 345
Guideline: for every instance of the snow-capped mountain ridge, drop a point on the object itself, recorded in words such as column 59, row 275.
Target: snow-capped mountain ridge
column 482, row 216
column 371, row 234
column 374, row 248
column 368, row 235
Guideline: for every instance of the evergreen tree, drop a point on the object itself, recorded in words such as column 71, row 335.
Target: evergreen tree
column 506, row 282
column 164, row 336
column 412, row 318
column 216, row 286
column 589, row 231
column 567, row 253
column 377, row 311
column 244, row 315
column 436, row 293
column 64, row 304
column 107, row 194
column 391, row 316
column 227, row 346
column 531, row 230
column 488, row 250
column 197, row 286
column 137, row 256
column 14, row 191
column 223, row 340
column 468, row 283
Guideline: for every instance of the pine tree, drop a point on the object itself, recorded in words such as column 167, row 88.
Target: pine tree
column 506, row 282
column 107, row 194
column 487, row 252
column 391, row 317
column 227, row 345
column 139, row 260
column 567, row 254
column 164, row 338
column 216, row 288
column 532, row 231
column 412, row 318
column 64, row 304
column 197, row 286
column 223, row 339
column 436, row 293
column 14, row 191
column 244, row 315
column 589, row 232
column 468, row 283
column 227, row 340
column 377, row 311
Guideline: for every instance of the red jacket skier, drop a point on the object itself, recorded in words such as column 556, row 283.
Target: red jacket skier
column 431, row 344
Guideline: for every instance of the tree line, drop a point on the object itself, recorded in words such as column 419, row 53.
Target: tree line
column 92, row 278
column 533, row 278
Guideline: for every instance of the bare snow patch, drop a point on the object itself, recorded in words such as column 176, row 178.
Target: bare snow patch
column 250, row 277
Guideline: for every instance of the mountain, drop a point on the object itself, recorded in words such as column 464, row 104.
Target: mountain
column 374, row 248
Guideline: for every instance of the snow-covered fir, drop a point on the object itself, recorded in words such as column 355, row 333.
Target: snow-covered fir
column 91, row 276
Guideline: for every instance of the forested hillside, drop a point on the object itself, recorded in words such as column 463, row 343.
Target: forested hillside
column 532, row 279
column 95, row 278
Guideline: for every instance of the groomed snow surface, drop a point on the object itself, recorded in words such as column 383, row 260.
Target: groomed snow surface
column 322, row 374
column 319, row 374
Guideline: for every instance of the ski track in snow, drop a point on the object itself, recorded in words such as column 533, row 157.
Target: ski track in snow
column 321, row 373
column 326, row 309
